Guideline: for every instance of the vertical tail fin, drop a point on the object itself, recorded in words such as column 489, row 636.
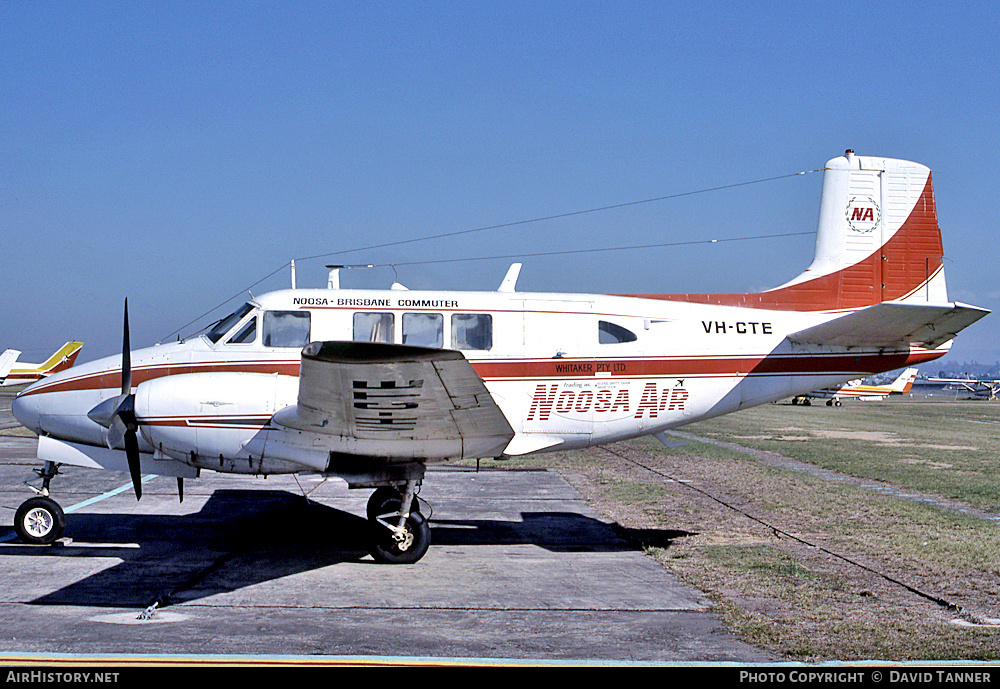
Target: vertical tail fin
column 878, row 240
column 904, row 383
column 878, row 237
column 64, row 358
column 7, row 360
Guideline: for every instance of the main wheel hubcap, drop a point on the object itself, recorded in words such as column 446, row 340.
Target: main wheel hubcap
column 404, row 539
column 38, row 522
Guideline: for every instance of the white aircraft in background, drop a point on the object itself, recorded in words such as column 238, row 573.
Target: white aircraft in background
column 859, row 390
column 22, row 373
column 980, row 387
column 373, row 385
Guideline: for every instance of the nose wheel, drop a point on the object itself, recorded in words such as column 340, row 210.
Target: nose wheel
column 39, row 520
column 398, row 536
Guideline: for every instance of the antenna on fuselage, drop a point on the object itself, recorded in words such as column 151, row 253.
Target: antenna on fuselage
column 395, row 283
column 510, row 279
column 293, row 273
column 333, row 281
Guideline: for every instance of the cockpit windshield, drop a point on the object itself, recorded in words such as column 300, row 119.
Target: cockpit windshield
column 226, row 324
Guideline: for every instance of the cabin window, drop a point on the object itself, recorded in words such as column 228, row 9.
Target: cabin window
column 247, row 334
column 471, row 331
column 223, row 326
column 423, row 329
column 286, row 328
column 373, row 327
column 610, row 333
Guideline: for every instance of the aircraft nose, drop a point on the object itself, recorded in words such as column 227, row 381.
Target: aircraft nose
column 26, row 411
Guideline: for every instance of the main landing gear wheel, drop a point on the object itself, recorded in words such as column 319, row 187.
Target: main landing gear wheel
column 392, row 543
column 39, row 520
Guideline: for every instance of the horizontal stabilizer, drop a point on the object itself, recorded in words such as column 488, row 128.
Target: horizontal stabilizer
column 893, row 324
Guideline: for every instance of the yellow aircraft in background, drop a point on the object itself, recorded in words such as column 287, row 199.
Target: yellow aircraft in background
column 12, row 373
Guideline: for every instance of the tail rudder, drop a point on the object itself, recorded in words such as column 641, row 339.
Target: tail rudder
column 64, row 358
column 904, row 383
column 878, row 237
column 877, row 240
column 7, row 360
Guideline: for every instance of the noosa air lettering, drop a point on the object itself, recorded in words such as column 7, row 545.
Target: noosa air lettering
column 654, row 401
column 569, row 401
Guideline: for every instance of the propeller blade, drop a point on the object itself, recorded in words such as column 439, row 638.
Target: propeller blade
column 132, row 452
column 116, row 433
column 126, row 357
column 124, row 425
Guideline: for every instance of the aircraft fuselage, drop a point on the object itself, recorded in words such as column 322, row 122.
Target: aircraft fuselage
column 567, row 370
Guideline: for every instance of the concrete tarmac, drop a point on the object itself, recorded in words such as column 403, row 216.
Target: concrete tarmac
column 520, row 569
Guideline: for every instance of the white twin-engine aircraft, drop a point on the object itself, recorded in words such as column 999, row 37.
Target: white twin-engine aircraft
column 372, row 386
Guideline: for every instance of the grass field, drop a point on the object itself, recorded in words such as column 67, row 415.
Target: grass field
column 949, row 448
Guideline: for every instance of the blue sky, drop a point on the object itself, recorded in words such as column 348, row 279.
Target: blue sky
column 177, row 153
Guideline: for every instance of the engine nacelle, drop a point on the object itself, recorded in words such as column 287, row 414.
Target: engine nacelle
column 207, row 419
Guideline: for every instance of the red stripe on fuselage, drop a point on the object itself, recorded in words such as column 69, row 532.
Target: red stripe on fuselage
column 103, row 380
column 811, row 364
column 206, row 421
column 556, row 369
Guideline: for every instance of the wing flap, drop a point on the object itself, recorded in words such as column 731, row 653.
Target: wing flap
column 893, row 324
column 396, row 402
column 526, row 443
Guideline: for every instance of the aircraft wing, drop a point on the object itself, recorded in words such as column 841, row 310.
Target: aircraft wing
column 968, row 383
column 893, row 324
column 395, row 402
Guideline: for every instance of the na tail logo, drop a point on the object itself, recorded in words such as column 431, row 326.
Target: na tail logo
column 863, row 214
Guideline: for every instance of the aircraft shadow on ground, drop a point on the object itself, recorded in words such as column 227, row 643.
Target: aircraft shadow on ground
column 241, row 538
